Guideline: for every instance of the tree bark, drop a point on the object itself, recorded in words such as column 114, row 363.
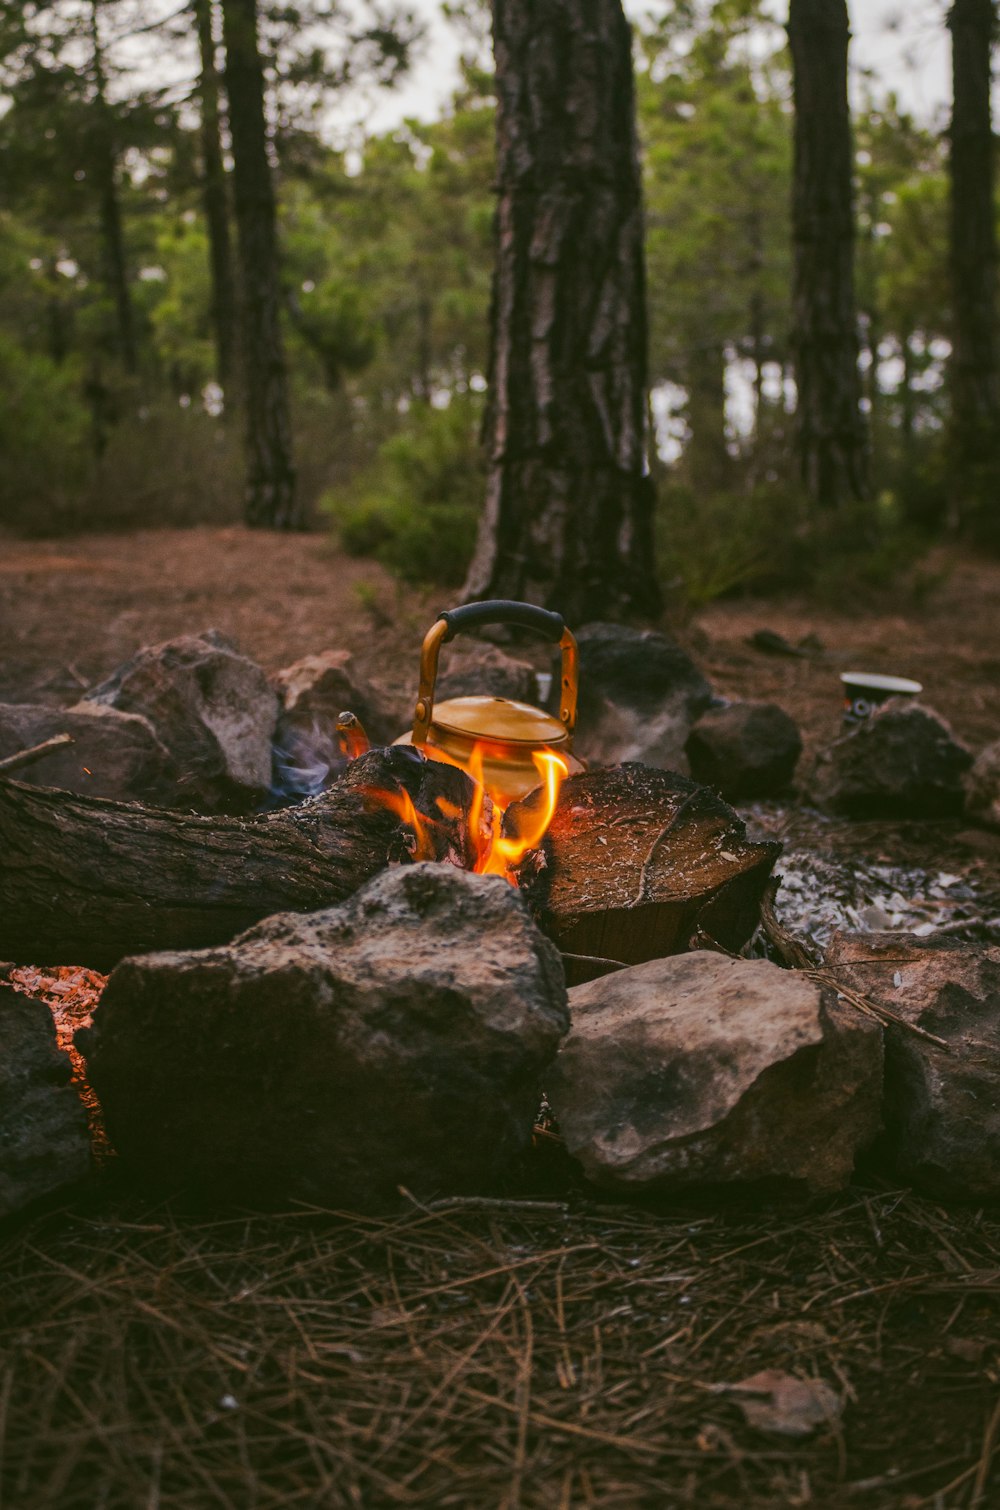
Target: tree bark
column 832, row 435
column 85, row 881
column 271, row 501
column 568, row 520
column 105, row 159
column 215, row 200
column 974, row 374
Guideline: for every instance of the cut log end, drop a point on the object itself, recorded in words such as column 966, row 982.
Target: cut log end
column 636, row 861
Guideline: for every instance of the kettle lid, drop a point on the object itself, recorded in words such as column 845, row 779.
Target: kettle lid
column 498, row 718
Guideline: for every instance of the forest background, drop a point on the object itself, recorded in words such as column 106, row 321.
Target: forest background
column 121, row 398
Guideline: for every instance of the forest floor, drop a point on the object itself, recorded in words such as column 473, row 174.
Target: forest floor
column 556, row 1351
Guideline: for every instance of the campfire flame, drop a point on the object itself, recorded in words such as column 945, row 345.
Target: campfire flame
column 422, row 827
column 506, row 851
column 496, row 853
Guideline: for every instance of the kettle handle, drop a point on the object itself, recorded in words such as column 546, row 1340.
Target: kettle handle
column 494, row 611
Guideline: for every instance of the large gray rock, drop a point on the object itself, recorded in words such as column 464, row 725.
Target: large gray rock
column 942, row 1105
column 982, row 786
column 211, row 707
column 113, row 754
column 399, row 1039
column 903, row 761
column 745, row 749
column 44, row 1145
column 640, row 693
column 702, row 1069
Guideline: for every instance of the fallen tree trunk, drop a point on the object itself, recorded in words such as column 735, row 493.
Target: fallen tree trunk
column 636, row 864
column 85, row 881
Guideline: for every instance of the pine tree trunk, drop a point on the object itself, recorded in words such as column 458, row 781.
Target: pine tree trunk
column 214, row 199
column 973, row 370
column 569, row 508
column 832, row 434
column 271, row 501
column 105, row 171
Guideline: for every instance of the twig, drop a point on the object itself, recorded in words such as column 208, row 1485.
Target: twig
column 875, row 1009
column 793, row 951
column 985, row 1458
column 959, row 925
column 36, row 752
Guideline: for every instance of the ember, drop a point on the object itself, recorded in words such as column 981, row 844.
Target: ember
column 71, row 994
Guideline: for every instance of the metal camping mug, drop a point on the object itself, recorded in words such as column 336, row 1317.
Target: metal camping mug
column 497, row 732
column 864, row 691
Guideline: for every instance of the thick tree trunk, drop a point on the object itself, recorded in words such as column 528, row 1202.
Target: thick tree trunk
column 214, row 199
column 833, row 445
column 271, row 501
column 569, row 506
column 85, row 882
column 974, row 374
column 112, row 233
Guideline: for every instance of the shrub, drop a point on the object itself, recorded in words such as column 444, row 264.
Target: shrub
column 416, row 507
column 772, row 539
column 43, row 437
column 716, row 544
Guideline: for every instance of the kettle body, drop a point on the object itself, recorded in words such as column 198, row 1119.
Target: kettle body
column 495, row 738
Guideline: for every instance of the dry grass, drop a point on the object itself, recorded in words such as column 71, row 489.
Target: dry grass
column 497, row 1353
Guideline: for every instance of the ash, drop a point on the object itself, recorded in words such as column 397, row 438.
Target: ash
column 821, row 892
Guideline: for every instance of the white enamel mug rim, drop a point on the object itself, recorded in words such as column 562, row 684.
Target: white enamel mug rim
column 874, row 682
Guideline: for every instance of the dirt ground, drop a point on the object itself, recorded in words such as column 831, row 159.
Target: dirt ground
column 557, row 1351
column 73, row 609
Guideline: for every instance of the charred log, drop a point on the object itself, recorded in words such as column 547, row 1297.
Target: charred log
column 85, row 881
column 636, row 863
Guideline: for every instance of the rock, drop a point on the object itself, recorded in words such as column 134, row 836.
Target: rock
column 213, row 710
column 640, row 693
column 399, row 1039
column 702, row 1069
column 903, row 761
column 44, row 1145
column 313, row 693
column 318, row 688
column 473, row 668
column 745, row 749
column 942, row 1105
column 982, row 786
column 113, row 754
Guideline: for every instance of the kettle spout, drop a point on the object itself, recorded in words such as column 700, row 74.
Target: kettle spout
column 351, row 736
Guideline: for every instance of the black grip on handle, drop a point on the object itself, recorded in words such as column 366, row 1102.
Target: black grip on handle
column 503, row 611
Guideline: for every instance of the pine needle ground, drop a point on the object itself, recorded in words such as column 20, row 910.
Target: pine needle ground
column 498, row 1353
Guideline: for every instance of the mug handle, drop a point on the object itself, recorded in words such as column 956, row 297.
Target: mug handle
column 494, row 611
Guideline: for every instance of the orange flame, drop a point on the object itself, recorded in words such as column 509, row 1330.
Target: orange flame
column 401, row 803
column 507, row 851
column 496, row 853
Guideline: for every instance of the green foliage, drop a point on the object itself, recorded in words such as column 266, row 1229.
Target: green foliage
column 713, row 545
column 714, row 116
column 767, row 539
column 416, row 507
column 43, row 430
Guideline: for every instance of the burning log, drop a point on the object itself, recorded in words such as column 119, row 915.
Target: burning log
column 85, row 881
column 635, row 862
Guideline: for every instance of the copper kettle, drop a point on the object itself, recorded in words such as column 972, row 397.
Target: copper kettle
column 495, row 737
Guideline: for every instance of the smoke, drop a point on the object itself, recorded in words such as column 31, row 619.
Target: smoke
column 304, row 762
